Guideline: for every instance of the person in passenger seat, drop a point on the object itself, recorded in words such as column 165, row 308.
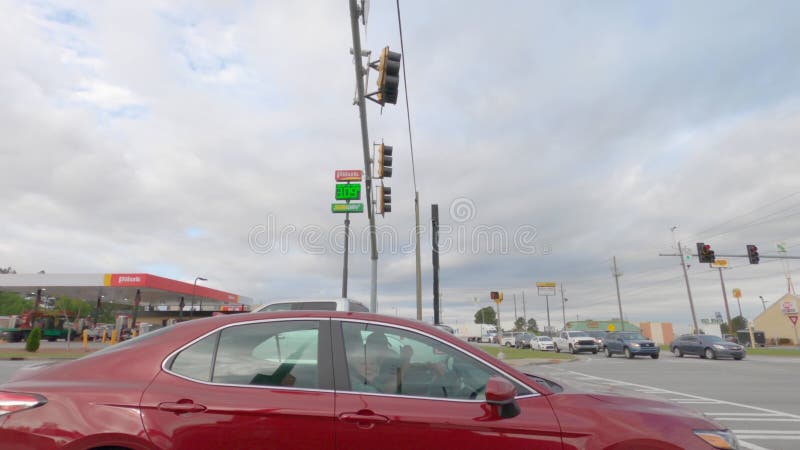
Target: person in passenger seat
column 379, row 368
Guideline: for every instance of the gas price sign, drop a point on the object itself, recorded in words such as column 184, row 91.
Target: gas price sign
column 347, row 191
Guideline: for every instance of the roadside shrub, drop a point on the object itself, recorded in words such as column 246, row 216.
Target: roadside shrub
column 33, row 340
column 784, row 341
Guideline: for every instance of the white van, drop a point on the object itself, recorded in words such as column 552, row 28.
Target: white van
column 336, row 304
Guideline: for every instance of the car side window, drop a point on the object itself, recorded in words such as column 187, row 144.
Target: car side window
column 195, row 361
column 269, row 354
column 389, row 360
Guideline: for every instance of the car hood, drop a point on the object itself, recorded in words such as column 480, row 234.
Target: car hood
column 641, row 341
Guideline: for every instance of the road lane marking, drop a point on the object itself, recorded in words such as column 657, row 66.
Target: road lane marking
column 725, row 402
column 746, row 444
column 740, row 414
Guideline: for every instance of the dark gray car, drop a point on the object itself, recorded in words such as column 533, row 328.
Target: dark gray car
column 522, row 340
column 706, row 346
column 630, row 344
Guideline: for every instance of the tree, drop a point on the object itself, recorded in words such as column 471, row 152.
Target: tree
column 13, row 303
column 519, row 324
column 739, row 323
column 72, row 306
column 486, row 315
column 8, row 269
column 32, row 345
column 532, row 327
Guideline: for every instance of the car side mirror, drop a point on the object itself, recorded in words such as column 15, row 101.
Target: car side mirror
column 501, row 395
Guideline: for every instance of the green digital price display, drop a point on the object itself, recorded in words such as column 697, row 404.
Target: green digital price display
column 348, row 191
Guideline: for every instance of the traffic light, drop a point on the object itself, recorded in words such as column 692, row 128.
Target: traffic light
column 752, row 254
column 494, row 295
column 388, row 76
column 384, row 161
column 704, row 253
column 384, row 199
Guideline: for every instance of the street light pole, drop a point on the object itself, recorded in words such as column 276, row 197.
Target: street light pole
column 194, row 289
column 763, row 302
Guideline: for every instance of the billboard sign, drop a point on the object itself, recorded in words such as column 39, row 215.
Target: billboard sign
column 546, row 288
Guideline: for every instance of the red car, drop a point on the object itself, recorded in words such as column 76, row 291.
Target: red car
column 322, row 380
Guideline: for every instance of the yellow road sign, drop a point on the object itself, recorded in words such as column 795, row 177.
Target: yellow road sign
column 737, row 293
column 611, row 327
column 545, row 284
column 721, row 263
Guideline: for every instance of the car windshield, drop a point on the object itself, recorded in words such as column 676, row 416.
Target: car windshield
column 545, row 338
column 713, row 339
column 632, row 337
column 578, row 334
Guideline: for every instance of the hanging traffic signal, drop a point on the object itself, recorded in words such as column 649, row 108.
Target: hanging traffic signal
column 752, row 254
column 704, row 253
column 494, row 295
column 388, row 77
column 384, row 161
column 384, row 199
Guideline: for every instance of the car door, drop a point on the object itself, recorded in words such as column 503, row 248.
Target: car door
column 424, row 393
column 246, row 385
column 690, row 345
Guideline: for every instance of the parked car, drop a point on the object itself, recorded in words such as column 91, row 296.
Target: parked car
column 304, row 304
column 322, row 380
column 599, row 337
column 631, row 344
column 507, row 338
column 523, row 340
column 543, row 343
column 706, row 346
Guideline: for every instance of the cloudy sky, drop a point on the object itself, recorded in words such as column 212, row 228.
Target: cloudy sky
column 200, row 138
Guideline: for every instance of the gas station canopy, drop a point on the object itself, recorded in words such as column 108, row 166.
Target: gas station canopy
column 156, row 292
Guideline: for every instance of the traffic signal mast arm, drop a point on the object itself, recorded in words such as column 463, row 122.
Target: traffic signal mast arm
column 737, row 256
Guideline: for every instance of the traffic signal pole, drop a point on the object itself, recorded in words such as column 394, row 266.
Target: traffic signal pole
column 355, row 12
column 727, row 310
column 619, row 299
column 688, row 288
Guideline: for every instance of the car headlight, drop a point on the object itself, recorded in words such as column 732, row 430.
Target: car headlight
column 634, row 344
column 719, row 347
column 724, row 439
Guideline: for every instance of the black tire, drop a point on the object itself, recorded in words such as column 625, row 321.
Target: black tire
column 678, row 352
column 654, row 356
column 558, row 350
column 508, row 344
column 628, row 353
column 594, row 352
column 608, row 353
column 738, row 358
column 710, row 354
column 572, row 350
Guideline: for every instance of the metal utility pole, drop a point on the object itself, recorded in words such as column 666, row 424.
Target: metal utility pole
column 515, row 307
column 727, row 310
column 763, row 302
column 355, row 12
column 549, row 328
column 619, row 299
column 688, row 288
column 346, row 251
column 524, row 314
column 435, row 244
column 563, row 306
column 419, row 259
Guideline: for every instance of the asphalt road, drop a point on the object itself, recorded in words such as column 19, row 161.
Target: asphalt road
column 757, row 397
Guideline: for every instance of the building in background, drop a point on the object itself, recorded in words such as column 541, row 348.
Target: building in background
column 659, row 332
column 600, row 325
column 776, row 321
